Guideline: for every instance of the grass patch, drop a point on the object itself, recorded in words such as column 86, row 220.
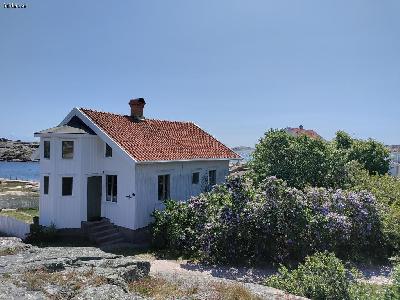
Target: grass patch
column 159, row 288
column 23, row 214
column 139, row 253
column 237, row 291
column 147, row 252
column 73, row 281
column 9, row 251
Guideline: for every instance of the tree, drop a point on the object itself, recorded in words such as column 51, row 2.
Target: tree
column 372, row 155
column 343, row 140
column 301, row 161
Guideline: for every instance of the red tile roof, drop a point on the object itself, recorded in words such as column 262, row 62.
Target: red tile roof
column 298, row 131
column 155, row 140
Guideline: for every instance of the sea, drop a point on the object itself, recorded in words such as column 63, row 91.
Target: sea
column 20, row 170
column 245, row 154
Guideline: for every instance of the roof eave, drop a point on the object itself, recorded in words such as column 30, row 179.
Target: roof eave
column 187, row 160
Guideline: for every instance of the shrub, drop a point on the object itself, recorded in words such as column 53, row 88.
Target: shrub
column 393, row 292
column 321, row 277
column 365, row 291
column 40, row 233
column 386, row 190
column 236, row 222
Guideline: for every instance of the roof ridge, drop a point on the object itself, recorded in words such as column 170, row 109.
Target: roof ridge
column 122, row 115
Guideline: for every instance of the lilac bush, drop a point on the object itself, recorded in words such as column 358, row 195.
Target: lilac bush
column 237, row 222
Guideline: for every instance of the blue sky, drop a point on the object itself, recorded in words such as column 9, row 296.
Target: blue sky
column 236, row 68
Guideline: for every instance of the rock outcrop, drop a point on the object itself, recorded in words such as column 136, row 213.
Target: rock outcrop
column 17, row 150
column 29, row 272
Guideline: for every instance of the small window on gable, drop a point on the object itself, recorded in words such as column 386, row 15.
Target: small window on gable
column 111, row 188
column 46, row 185
column 67, row 183
column 195, row 177
column 46, row 149
column 68, row 149
column 212, row 177
column 108, row 150
column 163, row 187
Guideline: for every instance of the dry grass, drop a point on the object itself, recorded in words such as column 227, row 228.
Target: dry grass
column 73, row 281
column 9, row 251
column 224, row 291
column 159, row 288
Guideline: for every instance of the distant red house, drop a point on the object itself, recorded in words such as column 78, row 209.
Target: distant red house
column 300, row 130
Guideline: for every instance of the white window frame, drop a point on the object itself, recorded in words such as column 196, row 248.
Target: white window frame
column 112, row 188
column 73, row 149
column 73, row 183
column 208, row 176
column 48, row 184
column 198, row 179
column 47, row 158
column 105, row 150
column 164, row 197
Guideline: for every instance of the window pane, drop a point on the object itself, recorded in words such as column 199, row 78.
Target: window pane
column 46, row 149
column 108, row 151
column 163, row 187
column 45, row 185
column 67, row 186
column 111, row 188
column 114, row 192
column 108, row 188
column 212, row 177
column 195, row 178
column 166, row 195
column 67, row 149
column 160, row 187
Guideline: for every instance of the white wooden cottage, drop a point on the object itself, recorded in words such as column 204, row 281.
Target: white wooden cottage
column 97, row 164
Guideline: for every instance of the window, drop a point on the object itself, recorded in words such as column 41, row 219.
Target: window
column 46, row 149
column 67, row 186
column 46, row 185
column 67, row 149
column 108, row 151
column 163, row 187
column 111, row 185
column 212, row 177
column 195, row 178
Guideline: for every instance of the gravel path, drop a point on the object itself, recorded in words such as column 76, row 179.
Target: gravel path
column 194, row 275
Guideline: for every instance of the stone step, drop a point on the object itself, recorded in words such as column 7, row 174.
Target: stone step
column 104, row 232
column 92, row 223
column 118, row 242
column 99, row 227
column 109, row 238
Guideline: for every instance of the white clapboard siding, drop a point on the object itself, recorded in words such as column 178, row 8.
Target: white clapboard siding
column 14, row 227
column 181, row 187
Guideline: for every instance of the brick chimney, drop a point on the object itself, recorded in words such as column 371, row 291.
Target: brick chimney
column 137, row 106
